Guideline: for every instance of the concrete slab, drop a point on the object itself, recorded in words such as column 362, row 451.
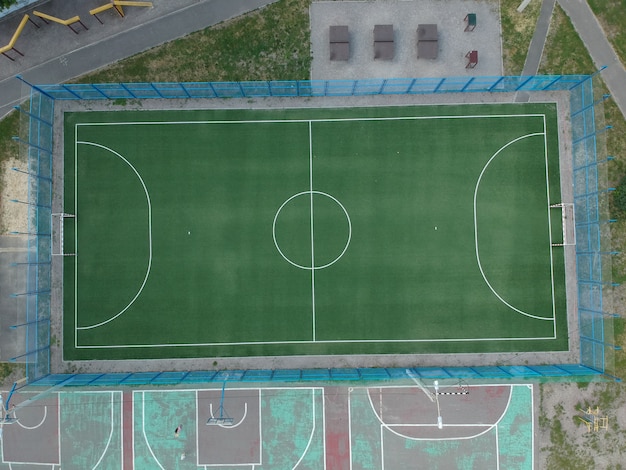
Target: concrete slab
column 405, row 16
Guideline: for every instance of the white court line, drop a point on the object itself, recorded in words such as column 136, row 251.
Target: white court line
column 106, row 447
column 341, row 341
column 497, row 450
column 461, row 425
column 75, row 236
column 197, row 429
column 45, row 415
column 480, row 267
column 532, row 425
column 143, row 428
column 314, row 420
column 132, row 430
column 95, row 325
column 324, row 427
column 312, row 230
column 309, row 121
column 545, row 146
column 230, row 426
column 271, row 121
column 350, row 390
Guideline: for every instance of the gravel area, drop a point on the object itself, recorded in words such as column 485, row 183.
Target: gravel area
column 405, row 16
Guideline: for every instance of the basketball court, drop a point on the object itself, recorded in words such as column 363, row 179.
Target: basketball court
column 441, row 425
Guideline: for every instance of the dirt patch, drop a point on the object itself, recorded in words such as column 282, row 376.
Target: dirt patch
column 13, row 216
column 563, row 440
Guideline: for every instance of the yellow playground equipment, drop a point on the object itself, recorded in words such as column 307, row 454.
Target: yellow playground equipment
column 118, row 6
column 592, row 419
column 11, row 45
column 69, row 22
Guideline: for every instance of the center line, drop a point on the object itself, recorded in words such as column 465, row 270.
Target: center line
column 312, row 237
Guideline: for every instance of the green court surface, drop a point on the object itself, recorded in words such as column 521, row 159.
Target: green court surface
column 289, row 426
column 313, row 231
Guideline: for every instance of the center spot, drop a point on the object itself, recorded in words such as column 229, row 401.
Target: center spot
column 312, row 230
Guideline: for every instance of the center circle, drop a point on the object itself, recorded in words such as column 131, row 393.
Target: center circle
column 310, row 230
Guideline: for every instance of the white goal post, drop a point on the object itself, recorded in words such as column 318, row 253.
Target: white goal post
column 568, row 221
column 59, row 242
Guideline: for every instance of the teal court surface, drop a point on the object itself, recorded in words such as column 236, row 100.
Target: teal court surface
column 312, row 231
column 450, row 425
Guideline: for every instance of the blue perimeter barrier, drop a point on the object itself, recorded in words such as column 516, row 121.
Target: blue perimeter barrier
column 593, row 250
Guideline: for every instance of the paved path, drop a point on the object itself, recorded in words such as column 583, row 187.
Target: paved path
column 53, row 54
column 537, row 44
column 535, row 50
column 599, row 48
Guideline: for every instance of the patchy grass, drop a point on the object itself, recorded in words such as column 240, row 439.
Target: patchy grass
column 272, row 43
column 612, row 16
column 9, row 126
column 564, row 51
column 517, row 32
column 6, row 369
column 562, row 453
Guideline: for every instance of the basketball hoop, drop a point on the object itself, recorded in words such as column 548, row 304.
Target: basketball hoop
column 222, row 419
column 8, row 420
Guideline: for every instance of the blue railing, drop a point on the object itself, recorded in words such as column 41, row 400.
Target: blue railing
column 590, row 198
column 309, row 88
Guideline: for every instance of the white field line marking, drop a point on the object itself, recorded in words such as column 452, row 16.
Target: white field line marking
column 143, row 428
column 364, row 341
column 545, row 146
column 306, row 449
column 389, row 427
column 271, row 121
column 312, row 232
column 241, row 343
column 45, row 415
column 476, row 229
column 330, row 263
column 110, row 434
column 75, row 236
column 149, row 239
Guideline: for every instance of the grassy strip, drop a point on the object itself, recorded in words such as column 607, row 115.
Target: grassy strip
column 517, row 32
column 272, row 43
column 612, row 17
column 564, row 52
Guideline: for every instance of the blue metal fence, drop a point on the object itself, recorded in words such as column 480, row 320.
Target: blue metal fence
column 36, row 147
column 309, row 88
column 591, row 210
column 593, row 241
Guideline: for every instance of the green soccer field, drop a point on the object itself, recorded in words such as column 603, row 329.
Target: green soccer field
column 313, row 231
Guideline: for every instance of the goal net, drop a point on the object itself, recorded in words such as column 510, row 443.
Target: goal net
column 63, row 226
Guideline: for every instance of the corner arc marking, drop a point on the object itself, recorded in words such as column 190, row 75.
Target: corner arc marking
column 480, row 267
column 143, row 284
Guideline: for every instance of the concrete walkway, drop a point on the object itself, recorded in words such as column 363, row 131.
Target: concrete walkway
column 54, row 54
column 601, row 51
column 538, row 42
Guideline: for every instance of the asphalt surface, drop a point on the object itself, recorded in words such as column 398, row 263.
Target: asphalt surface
column 535, row 50
column 601, row 51
column 54, row 54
